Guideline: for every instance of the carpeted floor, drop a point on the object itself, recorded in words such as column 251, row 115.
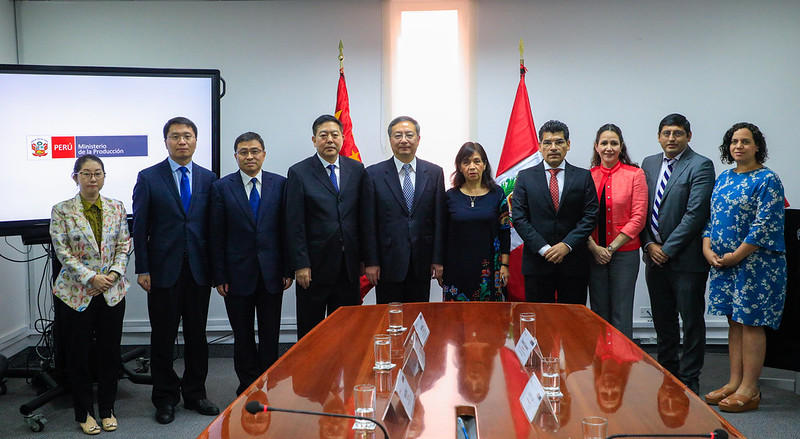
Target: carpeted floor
column 777, row 418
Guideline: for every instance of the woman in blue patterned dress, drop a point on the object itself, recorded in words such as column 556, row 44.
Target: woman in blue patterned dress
column 478, row 231
column 743, row 242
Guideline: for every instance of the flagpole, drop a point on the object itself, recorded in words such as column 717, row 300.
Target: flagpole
column 341, row 57
column 522, row 68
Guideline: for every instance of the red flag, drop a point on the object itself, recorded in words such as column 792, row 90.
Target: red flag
column 520, row 151
column 349, row 148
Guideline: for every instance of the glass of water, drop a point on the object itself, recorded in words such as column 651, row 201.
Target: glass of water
column 396, row 318
column 594, row 427
column 364, row 396
column 527, row 320
column 383, row 352
column 551, row 381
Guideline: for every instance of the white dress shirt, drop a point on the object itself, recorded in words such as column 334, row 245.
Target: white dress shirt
column 560, row 180
column 248, row 183
column 336, row 169
column 402, row 175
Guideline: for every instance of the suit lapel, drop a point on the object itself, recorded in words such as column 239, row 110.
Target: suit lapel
column 419, row 185
column 544, row 194
column 344, row 173
column 169, row 181
column 241, row 196
column 83, row 223
column 322, row 174
column 266, row 188
column 392, row 180
column 678, row 169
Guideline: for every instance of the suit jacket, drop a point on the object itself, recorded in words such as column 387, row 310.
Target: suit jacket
column 242, row 247
column 537, row 222
column 395, row 237
column 163, row 232
column 322, row 225
column 80, row 256
column 684, row 209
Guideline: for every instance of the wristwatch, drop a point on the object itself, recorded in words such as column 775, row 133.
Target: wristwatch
column 611, row 249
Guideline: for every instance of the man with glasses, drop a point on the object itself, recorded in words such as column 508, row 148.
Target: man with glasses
column 322, row 222
column 170, row 232
column 554, row 208
column 405, row 210
column 679, row 183
column 247, row 248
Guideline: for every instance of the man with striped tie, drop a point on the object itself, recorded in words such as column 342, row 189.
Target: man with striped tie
column 247, row 248
column 679, row 183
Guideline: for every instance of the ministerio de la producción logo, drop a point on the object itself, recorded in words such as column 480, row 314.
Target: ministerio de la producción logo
column 70, row 147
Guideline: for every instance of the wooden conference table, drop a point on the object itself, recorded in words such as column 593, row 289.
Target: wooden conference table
column 470, row 361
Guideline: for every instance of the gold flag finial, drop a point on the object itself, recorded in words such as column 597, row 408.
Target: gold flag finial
column 521, row 52
column 341, row 56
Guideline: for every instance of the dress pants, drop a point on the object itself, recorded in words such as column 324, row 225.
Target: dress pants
column 104, row 323
column 672, row 293
column 166, row 306
column 319, row 300
column 250, row 361
column 408, row 290
column 612, row 287
column 543, row 289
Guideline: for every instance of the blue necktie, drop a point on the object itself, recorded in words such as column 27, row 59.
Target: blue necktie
column 333, row 177
column 662, row 185
column 255, row 199
column 408, row 188
column 186, row 190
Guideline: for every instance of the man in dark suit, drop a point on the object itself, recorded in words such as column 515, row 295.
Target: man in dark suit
column 322, row 226
column 679, row 182
column 247, row 256
column 170, row 231
column 554, row 209
column 404, row 220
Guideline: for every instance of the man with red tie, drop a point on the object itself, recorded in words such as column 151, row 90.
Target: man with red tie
column 554, row 208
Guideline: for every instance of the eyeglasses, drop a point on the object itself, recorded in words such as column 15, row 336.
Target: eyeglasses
column 324, row 135
column 88, row 175
column 549, row 143
column 408, row 135
column 249, row 152
column 178, row 137
column 676, row 133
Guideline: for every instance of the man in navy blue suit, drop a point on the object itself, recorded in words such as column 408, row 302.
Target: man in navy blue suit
column 170, row 233
column 247, row 255
column 404, row 215
column 322, row 226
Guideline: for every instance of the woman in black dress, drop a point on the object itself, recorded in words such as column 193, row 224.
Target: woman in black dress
column 478, row 234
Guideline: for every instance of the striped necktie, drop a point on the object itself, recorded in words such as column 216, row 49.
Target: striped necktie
column 662, row 184
column 408, row 188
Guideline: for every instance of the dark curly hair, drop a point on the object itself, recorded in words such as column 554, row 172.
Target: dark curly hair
column 758, row 138
column 623, row 152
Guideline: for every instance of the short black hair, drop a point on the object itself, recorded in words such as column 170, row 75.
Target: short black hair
column 554, row 126
column 323, row 119
column 246, row 137
column 399, row 119
column 85, row 158
column 676, row 119
column 758, row 138
column 180, row 120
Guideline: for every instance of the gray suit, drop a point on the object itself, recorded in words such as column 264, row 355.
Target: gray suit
column 679, row 285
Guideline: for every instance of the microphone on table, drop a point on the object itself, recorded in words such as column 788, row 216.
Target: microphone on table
column 716, row 434
column 254, row 407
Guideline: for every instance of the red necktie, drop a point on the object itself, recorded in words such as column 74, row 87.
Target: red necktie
column 554, row 187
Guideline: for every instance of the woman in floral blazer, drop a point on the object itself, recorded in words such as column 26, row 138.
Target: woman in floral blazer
column 90, row 238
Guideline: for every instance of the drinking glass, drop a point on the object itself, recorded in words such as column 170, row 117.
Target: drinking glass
column 364, row 396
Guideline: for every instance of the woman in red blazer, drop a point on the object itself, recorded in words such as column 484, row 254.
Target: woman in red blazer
column 614, row 243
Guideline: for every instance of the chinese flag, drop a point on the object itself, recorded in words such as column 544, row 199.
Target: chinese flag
column 349, row 148
column 520, row 151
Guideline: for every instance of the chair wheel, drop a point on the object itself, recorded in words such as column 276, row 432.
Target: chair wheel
column 36, row 422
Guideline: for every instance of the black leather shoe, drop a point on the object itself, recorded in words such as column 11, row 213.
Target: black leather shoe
column 165, row 414
column 202, row 406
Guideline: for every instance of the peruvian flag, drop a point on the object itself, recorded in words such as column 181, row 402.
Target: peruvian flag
column 520, row 151
column 349, row 148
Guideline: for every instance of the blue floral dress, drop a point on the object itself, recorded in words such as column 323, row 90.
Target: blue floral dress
column 748, row 207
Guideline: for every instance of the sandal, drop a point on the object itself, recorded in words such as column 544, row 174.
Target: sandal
column 109, row 423
column 90, row 426
column 738, row 403
column 715, row 396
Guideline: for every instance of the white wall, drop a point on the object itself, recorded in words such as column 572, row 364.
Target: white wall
column 717, row 62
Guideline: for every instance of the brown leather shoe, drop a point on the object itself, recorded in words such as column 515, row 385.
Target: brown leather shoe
column 738, row 403
column 715, row 396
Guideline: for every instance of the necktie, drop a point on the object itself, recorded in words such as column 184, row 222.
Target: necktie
column 333, row 177
column 408, row 188
column 255, row 199
column 186, row 190
column 554, row 187
column 662, row 184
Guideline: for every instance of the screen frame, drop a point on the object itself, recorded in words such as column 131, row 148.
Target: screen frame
column 35, row 226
